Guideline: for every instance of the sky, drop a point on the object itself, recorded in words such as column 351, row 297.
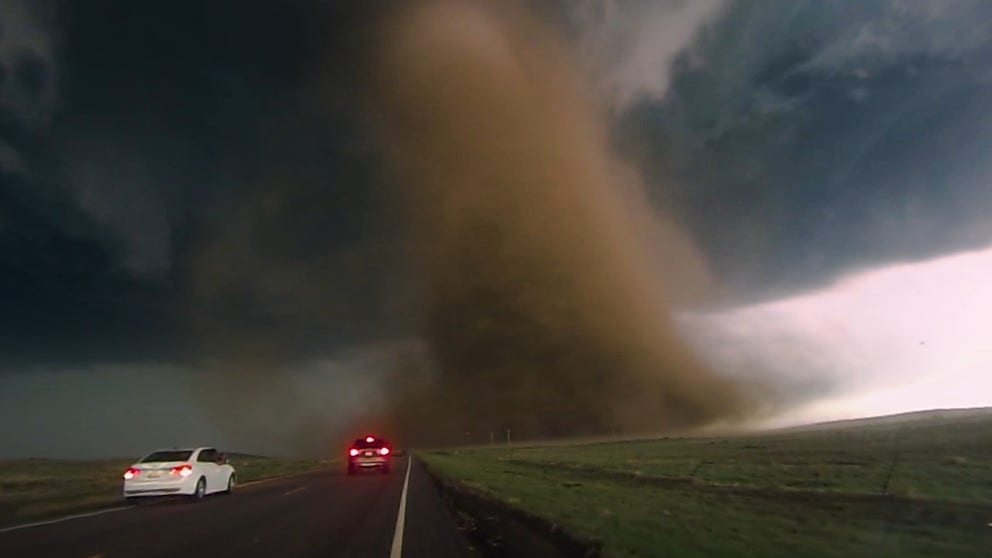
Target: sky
column 201, row 238
column 898, row 338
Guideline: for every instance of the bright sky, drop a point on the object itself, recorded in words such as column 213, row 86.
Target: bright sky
column 893, row 339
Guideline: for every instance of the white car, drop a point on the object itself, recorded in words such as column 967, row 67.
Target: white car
column 189, row 472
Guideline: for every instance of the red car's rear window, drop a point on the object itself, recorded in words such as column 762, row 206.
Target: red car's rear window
column 376, row 443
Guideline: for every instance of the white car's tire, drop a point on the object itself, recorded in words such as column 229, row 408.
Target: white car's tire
column 200, row 491
column 230, row 484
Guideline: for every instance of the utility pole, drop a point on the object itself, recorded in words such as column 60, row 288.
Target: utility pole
column 492, row 441
column 509, row 442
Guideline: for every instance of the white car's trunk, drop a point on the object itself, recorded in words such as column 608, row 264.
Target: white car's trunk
column 158, row 472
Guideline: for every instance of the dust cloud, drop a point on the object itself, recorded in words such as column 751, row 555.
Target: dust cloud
column 489, row 234
column 548, row 279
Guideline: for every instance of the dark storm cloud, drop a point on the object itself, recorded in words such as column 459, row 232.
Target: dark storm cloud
column 824, row 136
column 54, row 282
column 137, row 141
column 62, row 301
column 183, row 131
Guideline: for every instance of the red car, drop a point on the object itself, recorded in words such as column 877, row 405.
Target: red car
column 369, row 453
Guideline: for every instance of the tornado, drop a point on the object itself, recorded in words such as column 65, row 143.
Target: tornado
column 547, row 278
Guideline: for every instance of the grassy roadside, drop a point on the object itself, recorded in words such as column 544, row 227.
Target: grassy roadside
column 919, row 487
column 36, row 489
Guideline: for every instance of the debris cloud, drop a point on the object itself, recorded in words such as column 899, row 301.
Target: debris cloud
column 549, row 279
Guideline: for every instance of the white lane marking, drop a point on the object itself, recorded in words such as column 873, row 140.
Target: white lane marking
column 275, row 478
column 397, row 550
column 260, row 481
column 295, row 490
column 61, row 519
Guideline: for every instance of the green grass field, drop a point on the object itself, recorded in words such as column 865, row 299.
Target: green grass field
column 913, row 485
column 33, row 489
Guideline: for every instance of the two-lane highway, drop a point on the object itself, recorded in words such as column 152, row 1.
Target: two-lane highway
column 323, row 514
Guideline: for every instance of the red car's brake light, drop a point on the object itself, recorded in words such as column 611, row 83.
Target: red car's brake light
column 353, row 452
column 131, row 473
column 369, row 439
column 384, row 451
column 182, row 470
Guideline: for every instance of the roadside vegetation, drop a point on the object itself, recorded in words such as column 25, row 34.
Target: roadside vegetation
column 910, row 485
column 36, row 489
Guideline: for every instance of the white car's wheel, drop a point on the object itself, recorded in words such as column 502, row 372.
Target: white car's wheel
column 201, row 489
column 230, row 484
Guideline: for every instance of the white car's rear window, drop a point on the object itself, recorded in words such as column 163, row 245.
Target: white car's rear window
column 161, row 456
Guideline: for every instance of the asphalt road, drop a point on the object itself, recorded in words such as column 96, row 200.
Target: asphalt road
column 322, row 514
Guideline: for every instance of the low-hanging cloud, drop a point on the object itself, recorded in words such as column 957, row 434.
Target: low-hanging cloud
column 630, row 47
column 28, row 86
column 27, row 58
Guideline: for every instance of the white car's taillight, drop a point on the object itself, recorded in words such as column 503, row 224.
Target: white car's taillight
column 182, row 470
column 131, row 473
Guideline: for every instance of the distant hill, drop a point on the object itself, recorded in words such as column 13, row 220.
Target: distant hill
column 920, row 418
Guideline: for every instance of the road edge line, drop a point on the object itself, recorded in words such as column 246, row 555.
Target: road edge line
column 397, row 549
column 61, row 519
column 121, row 508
